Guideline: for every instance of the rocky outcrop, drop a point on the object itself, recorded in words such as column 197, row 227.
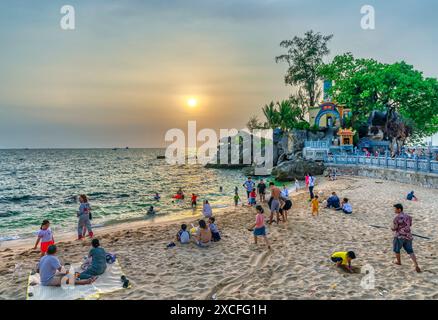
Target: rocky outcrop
column 297, row 169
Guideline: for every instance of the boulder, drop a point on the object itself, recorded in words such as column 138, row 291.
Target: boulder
column 297, row 169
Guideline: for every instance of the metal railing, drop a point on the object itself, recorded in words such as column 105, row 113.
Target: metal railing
column 406, row 164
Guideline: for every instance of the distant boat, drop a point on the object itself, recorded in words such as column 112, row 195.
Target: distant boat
column 161, row 157
column 127, row 148
column 115, row 149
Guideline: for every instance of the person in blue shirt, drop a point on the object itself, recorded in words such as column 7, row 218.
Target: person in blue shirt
column 249, row 185
column 411, row 196
column 98, row 261
column 333, row 201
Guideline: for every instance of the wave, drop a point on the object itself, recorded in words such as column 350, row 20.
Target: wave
column 16, row 199
column 9, row 213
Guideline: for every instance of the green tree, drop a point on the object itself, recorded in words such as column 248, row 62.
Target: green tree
column 365, row 85
column 304, row 57
column 285, row 115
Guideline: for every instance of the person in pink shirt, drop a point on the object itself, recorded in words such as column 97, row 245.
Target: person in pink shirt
column 259, row 228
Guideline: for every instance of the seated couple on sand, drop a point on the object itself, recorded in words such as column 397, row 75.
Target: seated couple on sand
column 202, row 236
column 51, row 273
column 334, row 202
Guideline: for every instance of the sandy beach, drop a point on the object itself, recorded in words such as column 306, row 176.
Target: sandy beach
column 297, row 267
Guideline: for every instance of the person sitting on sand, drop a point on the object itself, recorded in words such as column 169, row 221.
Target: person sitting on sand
column 333, row 201
column 343, row 259
column 84, row 215
column 214, row 230
column 315, row 205
column 402, row 235
column 203, row 236
column 49, row 269
column 45, row 235
column 259, row 229
column 151, row 211
column 194, row 200
column 183, row 236
column 411, row 196
column 346, row 206
column 98, row 261
column 206, row 209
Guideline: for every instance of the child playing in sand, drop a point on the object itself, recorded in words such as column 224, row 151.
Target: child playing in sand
column 411, row 196
column 315, row 205
column 259, row 228
column 215, row 235
column 252, row 198
column 45, row 235
column 183, row 236
column 346, row 206
column 343, row 259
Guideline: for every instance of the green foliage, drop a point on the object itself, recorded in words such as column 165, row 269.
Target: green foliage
column 365, row 85
column 304, row 56
column 285, row 115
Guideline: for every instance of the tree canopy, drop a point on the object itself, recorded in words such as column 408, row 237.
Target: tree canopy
column 304, row 56
column 365, row 85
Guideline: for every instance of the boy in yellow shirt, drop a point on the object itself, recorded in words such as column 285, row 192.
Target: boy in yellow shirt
column 343, row 259
column 315, row 206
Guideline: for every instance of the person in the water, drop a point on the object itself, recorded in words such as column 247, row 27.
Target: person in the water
column 157, row 196
column 151, row 211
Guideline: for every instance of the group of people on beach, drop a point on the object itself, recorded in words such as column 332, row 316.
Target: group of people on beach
column 49, row 267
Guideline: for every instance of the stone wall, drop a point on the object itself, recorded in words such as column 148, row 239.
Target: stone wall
column 424, row 179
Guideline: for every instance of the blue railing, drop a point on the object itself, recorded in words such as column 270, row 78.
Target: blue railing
column 317, row 144
column 423, row 165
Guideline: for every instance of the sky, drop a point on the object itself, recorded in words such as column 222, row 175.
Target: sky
column 123, row 76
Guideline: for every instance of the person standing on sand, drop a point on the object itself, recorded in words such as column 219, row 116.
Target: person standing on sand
column 306, row 179
column 402, row 235
column 206, row 209
column 259, row 229
column 45, row 236
column 248, row 185
column 261, row 188
column 84, row 217
column 275, row 203
column 311, row 186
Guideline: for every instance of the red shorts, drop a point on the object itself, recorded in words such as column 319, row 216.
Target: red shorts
column 45, row 245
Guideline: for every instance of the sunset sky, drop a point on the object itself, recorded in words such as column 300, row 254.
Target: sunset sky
column 124, row 76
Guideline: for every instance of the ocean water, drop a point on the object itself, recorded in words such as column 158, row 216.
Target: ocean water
column 45, row 184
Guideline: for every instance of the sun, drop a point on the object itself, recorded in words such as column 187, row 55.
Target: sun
column 192, row 102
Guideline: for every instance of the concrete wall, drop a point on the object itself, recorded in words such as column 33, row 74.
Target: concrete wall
column 428, row 180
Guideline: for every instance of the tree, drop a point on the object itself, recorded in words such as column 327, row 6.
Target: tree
column 254, row 123
column 365, row 85
column 304, row 57
column 285, row 115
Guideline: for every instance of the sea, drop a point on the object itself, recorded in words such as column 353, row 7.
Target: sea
column 120, row 183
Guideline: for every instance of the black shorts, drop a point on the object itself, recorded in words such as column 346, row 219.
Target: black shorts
column 336, row 260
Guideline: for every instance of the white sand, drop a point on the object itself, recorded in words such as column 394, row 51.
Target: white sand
column 297, row 267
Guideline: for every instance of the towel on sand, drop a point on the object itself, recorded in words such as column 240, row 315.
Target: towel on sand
column 105, row 283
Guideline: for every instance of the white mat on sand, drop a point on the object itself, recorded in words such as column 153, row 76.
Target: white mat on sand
column 105, row 283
